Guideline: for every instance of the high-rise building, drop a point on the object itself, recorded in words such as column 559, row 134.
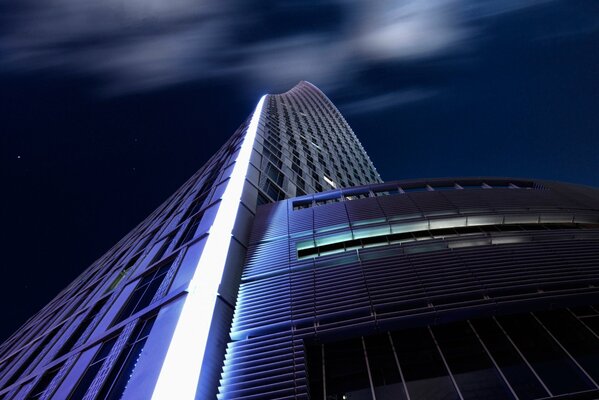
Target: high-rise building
column 285, row 268
column 150, row 318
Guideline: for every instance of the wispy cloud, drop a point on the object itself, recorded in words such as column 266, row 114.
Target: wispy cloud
column 135, row 45
column 385, row 101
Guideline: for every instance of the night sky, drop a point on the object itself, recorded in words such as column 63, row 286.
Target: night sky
column 106, row 108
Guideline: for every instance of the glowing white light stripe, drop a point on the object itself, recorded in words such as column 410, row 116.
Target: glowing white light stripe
column 181, row 369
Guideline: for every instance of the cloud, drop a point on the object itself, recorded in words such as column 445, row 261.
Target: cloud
column 392, row 30
column 385, row 101
column 135, row 45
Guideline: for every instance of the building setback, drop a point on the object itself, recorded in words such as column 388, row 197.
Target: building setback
column 285, row 268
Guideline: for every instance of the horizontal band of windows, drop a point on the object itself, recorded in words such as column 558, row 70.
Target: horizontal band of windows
column 387, row 190
column 406, row 237
column 438, row 224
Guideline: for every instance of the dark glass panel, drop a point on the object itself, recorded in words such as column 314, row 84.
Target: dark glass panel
column 145, row 291
column 557, row 371
column 68, row 345
column 314, row 369
column 423, row 369
column 473, row 370
column 116, row 382
column 575, row 338
column 592, row 323
column 27, row 362
column 383, row 368
column 40, row 387
column 345, row 371
column 90, row 373
column 85, row 381
column 513, row 367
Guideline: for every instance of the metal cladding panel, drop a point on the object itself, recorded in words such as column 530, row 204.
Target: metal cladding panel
column 364, row 209
column 301, row 221
column 331, row 215
column 467, row 199
column 398, row 205
column 430, row 201
column 416, row 259
column 271, row 257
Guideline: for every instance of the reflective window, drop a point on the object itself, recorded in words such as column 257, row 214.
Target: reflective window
column 423, row 369
column 575, row 338
column 116, row 382
column 90, row 373
column 72, row 340
column 469, row 363
column 345, row 373
column 512, row 365
column 384, row 370
column 144, row 292
column 27, row 362
column 40, row 387
column 556, row 369
column 190, row 229
column 315, row 370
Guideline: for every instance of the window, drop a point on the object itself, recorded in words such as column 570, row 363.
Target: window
column 90, row 373
column 345, row 372
column 39, row 390
column 423, row 368
column 76, row 335
column 163, row 248
column 28, row 360
column 118, row 279
column 273, row 173
column 116, row 382
column 511, row 364
column 190, row 229
column 555, row 368
column 384, row 369
column 144, row 292
column 472, row 369
column 273, row 191
column 574, row 337
column 195, row 205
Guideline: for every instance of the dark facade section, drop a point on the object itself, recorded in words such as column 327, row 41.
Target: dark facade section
column 427, row 289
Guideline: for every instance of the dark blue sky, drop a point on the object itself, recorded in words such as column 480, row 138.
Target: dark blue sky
column 106, row 108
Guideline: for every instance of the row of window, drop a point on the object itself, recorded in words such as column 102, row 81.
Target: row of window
column 310, row 146
column 526, row 357
column 386, row 190
column 429, row 234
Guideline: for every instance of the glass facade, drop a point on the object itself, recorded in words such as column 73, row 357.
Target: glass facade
column 508, row 357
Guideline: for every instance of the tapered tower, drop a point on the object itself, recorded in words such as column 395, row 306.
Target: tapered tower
column 150, row 318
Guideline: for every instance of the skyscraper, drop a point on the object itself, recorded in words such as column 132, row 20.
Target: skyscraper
column 150, row 318
column 285, row 268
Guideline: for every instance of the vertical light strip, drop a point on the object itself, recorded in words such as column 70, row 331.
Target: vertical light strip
column 182, row 365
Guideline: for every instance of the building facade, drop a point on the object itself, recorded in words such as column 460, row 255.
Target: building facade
column 285, row 268
column 476, row 288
